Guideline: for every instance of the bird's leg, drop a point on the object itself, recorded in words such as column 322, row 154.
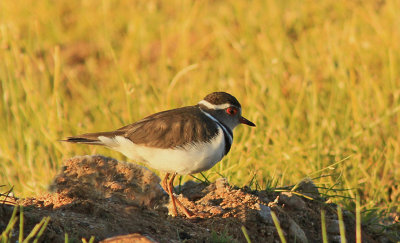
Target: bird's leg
column 171, row 194
column 175, row 201
column 186, row 211
column 164, row 182
column 166, row 186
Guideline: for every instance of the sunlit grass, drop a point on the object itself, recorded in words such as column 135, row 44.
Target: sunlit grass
column 36, row 232
column 320, row 80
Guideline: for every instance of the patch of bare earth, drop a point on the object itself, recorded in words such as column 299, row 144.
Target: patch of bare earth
column 122, row 202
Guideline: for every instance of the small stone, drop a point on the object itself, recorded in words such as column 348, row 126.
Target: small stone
column 297, row 232
column 308, row 187
column 291, row 200
column 132, row 238
column 265, row 213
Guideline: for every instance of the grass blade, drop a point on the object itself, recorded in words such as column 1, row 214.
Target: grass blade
column 5, row 235
column 246, row 235
column 278, row 227
column 323, row 227
column 341, row 225
column 42, row 228
column 21, row 223
column 91, row 240
column 358, row 220
column 36, row 229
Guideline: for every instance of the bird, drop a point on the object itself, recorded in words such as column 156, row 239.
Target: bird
column 182, row 141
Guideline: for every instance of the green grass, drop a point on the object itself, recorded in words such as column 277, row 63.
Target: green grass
column 320, row 80
column 278, row 227
column 341, row 225
column 34, row 235
column 323, row 227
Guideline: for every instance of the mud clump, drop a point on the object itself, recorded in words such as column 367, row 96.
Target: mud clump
column 121, row 202
column 97, row 178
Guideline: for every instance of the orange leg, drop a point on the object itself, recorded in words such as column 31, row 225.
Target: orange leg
column 171, row 195
column 186, row 211
column 175, row 201
column 166, row 186
column 164, row 182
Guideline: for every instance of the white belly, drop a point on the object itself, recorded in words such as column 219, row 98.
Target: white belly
column 190, row 159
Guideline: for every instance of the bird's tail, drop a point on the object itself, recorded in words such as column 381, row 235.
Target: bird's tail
column 90, row 138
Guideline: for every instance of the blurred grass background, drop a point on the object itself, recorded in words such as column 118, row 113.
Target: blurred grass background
column 320, row 80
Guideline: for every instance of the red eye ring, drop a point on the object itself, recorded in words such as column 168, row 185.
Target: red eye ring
column 231, row 111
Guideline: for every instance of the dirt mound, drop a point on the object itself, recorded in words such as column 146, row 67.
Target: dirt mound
column 101, row 197
column 96, row 178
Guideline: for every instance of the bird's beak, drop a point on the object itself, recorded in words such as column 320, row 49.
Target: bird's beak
column 247, row 122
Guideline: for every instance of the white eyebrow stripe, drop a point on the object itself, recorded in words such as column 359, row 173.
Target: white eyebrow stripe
column 214, row 107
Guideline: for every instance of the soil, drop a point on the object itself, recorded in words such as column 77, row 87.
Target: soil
column 122, row 202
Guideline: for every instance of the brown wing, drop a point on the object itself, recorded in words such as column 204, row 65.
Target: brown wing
column 173, row 128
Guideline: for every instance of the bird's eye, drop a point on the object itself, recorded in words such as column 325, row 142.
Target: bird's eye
column 231, row 111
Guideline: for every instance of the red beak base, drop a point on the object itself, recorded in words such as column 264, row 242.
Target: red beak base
column 247, row 122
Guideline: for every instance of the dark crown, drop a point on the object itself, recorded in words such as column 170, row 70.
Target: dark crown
column 218, row 98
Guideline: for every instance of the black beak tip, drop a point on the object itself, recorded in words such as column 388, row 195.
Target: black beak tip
column 247, row 122
column 251, row 124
